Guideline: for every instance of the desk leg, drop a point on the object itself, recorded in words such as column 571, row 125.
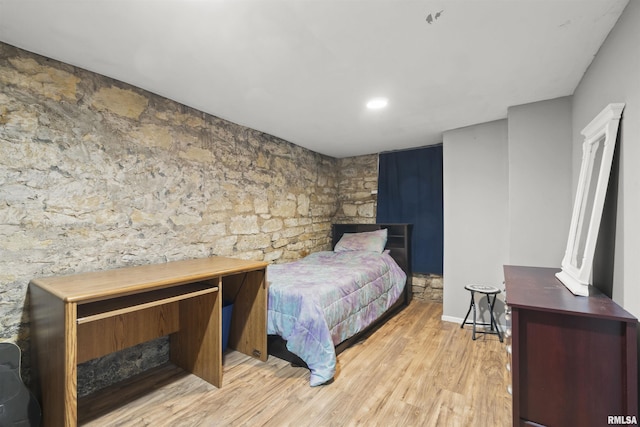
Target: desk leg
column 53, row 333
column 248, row 332
column 197, row 346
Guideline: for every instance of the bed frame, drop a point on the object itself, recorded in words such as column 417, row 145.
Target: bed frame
column 399, row 246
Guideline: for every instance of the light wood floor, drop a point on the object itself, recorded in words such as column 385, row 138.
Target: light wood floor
column 414, row 371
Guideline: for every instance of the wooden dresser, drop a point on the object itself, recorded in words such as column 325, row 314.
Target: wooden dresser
column 80, row 317
column 574, row 359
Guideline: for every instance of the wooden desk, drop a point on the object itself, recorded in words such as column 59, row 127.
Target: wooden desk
column 80, row 317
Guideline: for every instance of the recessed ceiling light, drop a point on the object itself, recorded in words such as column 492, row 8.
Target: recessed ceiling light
column 377, row 103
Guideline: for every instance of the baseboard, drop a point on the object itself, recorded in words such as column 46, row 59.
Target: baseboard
column 459, row 320
column 452, row 319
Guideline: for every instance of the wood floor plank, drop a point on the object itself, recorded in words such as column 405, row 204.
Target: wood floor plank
column 416, row 370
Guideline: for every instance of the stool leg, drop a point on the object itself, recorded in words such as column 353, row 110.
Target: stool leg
column 473, row 304
column 490, row 305
column 464, row 322
column 493, row 319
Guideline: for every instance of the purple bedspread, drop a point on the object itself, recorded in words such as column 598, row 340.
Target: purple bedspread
column 319, row 301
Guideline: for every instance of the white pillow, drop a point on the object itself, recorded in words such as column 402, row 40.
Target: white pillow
column 371, row 241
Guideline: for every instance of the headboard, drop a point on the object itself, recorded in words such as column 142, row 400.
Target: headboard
column 398, row 243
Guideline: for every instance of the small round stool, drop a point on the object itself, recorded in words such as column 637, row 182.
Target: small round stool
column 488, row 291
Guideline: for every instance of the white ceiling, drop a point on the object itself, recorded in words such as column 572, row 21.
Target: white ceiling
column 303, row 70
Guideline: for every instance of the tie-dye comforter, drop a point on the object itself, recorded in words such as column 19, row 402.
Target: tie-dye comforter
column 319, row 301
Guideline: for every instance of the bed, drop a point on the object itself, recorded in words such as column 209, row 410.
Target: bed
column 321, row 304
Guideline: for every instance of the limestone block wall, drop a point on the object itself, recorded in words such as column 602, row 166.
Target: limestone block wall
column 427, row 287
column 96, row 174
column 358, row 178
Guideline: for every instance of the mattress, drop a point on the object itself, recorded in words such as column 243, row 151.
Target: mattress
column 319, row 301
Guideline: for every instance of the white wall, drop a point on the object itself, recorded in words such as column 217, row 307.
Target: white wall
column 540, row 190
column 475, row 184
column 509, row 185
column 507, row 198
column 614, row 76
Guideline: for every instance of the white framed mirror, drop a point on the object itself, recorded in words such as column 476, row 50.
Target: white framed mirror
column 597, row 154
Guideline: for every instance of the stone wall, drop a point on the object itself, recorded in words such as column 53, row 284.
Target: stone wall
column 427, row 287
column 96, row 174
column 358, row 178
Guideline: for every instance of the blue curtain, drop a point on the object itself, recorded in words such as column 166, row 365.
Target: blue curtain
column 410, row 191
